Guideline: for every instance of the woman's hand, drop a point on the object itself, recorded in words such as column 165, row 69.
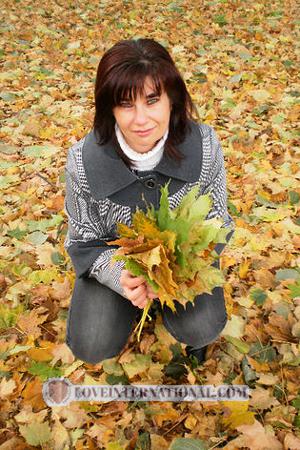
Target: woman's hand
column 136, row 289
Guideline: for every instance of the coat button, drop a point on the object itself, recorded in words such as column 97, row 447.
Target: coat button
column 151, row 183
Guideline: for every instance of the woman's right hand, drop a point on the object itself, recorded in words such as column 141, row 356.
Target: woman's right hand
column 136, row 289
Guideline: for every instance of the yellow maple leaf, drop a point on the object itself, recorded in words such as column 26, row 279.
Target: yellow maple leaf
column 243, row 269
column 164, row 412
column 42, row 353
column 32, row 394
column 235, row 413
column 145, row 226
column 125, row 231
column 126, row 243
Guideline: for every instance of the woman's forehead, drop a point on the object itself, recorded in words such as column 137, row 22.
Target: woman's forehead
column 142, row 88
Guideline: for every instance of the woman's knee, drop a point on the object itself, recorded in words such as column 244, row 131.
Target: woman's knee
column 201, row 322
column 98, row 323
column 89, row 354
column 90, row 345
column 197, row 335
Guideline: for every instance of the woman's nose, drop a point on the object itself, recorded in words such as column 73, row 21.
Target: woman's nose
column 140, row 115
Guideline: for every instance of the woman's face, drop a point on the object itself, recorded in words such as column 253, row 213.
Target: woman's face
column 150, row 113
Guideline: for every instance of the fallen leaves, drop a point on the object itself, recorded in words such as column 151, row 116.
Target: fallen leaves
column 32, row 394
column 280, row 328
column 241, row 71
column 236, row 414
column 162, row 412
column 255, row 437
column 6, row 387
column 262, row 399
column 30, row 323
column 36, row 433
column 138, row 365
column 73, row 415
column 42, row 353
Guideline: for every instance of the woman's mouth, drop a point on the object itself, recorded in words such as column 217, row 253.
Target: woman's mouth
column 144, row 132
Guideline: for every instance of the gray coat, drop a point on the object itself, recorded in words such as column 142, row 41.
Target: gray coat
column 101, row 191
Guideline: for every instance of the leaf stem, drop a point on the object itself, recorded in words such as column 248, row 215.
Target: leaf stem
column 145, row 314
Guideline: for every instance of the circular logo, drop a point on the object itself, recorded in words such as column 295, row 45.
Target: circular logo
column 57, row 391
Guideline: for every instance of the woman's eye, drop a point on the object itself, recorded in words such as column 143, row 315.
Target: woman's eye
column 153, row 100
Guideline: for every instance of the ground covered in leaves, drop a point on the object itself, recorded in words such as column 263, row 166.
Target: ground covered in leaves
column 239, row 62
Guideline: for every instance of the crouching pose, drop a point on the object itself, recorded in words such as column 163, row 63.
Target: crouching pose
column 144, row 135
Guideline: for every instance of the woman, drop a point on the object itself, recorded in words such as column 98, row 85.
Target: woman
column 144, row 135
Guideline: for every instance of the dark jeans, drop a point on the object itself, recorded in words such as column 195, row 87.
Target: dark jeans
column 100, row 321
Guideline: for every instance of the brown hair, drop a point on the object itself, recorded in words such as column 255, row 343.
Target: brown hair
column 121, row 73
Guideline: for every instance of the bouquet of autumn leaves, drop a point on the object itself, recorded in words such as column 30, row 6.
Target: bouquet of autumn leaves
column 173, row 249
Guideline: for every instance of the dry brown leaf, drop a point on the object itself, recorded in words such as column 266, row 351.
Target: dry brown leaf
column 44, row 254
column 61, row 352
column 30, row 322
column 100, row 433
column 14, row 443
column 279, row 328
column 265, row 278
column 7, row 387
column 262, row 398
column 32, row 128
column 291, row 442
column 267, row 379
column 282, row 414
column 56, row 203
column 254, row 438
column 61, row 291
column 257, row 438
column 158, row 442
column 59, row 434
column 74, row 415
column 254, row 331
column 258, row 366
column 146, row 342
column 125, row 420
column 28, row 416
column 32, row 394
column 163, row 412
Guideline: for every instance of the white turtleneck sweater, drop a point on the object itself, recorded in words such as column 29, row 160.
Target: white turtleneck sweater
column 142, row 161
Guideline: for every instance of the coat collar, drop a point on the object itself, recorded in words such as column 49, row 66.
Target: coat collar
column 107, row 173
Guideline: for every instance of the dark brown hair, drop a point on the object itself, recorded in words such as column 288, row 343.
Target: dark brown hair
column 121, row 74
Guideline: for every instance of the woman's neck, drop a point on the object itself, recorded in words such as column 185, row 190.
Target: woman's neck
column 142, row 161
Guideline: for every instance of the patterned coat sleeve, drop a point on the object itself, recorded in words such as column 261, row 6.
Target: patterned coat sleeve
column 215, row 181
column 87, row 233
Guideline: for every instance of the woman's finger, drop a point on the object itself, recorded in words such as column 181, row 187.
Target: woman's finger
column 139, row 300
column 140, row 304
column 135, row 294
column 139, row 292
column 131, row 281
